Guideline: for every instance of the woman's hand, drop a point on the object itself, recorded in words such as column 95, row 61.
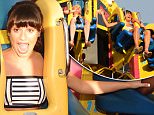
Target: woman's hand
column 138, row 84
column 147, row 90
column 100, row 11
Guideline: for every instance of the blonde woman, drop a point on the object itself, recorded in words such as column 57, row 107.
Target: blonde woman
column 78, row 22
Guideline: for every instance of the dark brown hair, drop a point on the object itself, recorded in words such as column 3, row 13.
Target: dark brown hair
column 26, row 13
column 127, row 12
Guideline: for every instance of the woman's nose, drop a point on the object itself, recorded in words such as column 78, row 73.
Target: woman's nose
column 23, row 35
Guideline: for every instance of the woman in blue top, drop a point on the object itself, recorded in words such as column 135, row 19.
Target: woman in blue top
column 77, row 22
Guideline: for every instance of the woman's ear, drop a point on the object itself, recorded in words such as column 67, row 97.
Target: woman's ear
column 39, row 33
column 8, row 34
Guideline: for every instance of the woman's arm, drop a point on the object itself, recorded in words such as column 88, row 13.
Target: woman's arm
column 100, row 87
column 139, row 22
column 107, row 24
column 147, row 90
column 67, row 11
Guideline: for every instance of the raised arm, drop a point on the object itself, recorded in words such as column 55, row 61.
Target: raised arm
column 67, row 11
column 139, row 22
column 100, row 87
column 107, row 24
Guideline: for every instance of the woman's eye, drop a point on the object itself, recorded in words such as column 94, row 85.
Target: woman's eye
column 15, row 29
column 30, row 30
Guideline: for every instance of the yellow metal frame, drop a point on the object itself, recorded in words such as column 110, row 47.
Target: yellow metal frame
column 62, row 1
column 3, row 37
column 70, row 16
column 78, row 48
column 150, row 26
column 117, row 11
column 110, row 8
column 88, row 10
column 54, row 61
column 125, row 58
column 113, row 10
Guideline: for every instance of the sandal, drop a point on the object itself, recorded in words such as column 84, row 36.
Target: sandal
column 87, row 43
column 71, row 44
column 147, row 55
column 138, row 50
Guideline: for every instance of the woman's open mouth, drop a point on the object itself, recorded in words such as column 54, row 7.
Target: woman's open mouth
column 23, row 48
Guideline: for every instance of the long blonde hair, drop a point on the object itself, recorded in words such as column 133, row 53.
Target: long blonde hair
column 77, row 7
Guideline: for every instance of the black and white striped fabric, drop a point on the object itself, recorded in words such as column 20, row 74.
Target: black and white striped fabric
column 24, row 92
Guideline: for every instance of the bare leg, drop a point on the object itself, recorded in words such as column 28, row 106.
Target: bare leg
column 136, row 36
column 86, row 32
column 136, row 40
column 72, row 31
column 147, row 42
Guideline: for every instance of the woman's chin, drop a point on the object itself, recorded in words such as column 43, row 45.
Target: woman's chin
column 23, row 53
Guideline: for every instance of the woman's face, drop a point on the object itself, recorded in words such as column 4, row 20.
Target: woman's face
column 23, row 40
column 77, row 10
column 128, row 17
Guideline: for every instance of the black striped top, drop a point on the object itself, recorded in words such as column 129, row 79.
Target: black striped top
column 24, row 92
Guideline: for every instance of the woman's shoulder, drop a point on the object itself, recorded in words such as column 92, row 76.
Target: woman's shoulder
column 38, row 56
column 38, row 63
column 6, row 53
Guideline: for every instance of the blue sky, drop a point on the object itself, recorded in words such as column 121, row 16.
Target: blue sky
column 145, row 7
